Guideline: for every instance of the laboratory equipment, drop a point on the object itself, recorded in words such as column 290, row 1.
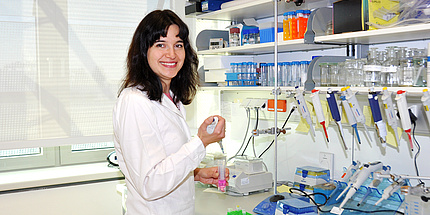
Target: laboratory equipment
column 425, row 99
column 350, row 171
column 419, row 59
column 248, row 175
column 416, row 199
column 234, row 37
column 312, row 176
column 351, row 119
column 361, row 178
column 372, row 69
column 389, row 111
column 375, row 182
column 402, row 107
column 319, row 110
column 406, row 76
column 355, row 108
column 334, row 109
column 324, row 74
column 377, row 118
column 390, row 68
column 210, row 129
column 295, row 206
column 268, row 205
column 390, row 190
column 304, row 111
column 221, row 177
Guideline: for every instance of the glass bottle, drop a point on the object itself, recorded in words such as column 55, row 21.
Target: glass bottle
column 420, row 68
column 333, row 74
column 349, row 70
column 406, row 67
column 390, row 69
column 341, row 74
column 234, row 38
column 372, row 69
column 324, row 72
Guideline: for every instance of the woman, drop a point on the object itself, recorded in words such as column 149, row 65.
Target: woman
column 153, row 143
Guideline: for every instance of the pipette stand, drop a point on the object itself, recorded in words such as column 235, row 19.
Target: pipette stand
column 393, row 203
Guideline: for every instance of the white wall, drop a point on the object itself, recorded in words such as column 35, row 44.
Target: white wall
column 89, row 199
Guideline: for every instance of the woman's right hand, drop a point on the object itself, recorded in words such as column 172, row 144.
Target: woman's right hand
column 217, row 135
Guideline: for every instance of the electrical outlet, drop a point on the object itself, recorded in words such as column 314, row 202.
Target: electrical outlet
column 327, row 161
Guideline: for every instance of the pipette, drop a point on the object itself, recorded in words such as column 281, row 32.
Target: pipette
column 210, row 129
column 356, row 109
column 351, row 119
column 402, row 107
column 349, row 172
column 375, row 182
column 334, row 109
column 377, row 118
column 351, row 181
column 319, row 110
column 389, row 111
column 426, row 103
column 221, row 177
column 304, row 109
column 390, row 190
column 361, row 178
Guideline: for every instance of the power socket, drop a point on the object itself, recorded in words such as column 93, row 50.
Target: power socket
column 327, row 161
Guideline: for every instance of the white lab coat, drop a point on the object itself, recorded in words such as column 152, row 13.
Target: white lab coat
column 156, row 154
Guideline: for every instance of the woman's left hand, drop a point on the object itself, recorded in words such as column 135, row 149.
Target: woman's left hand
column 209, row 175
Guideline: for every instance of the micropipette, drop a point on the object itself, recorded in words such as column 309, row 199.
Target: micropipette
column 210, row 129
column 334, row 109
column 351, row 119
column 221, row 177
column 375, row 182
column 361, row 178
column 304, row 109
column 356, row 109
column 390, row 190
column 377, row 118
column 349, row 172
column 402, row 107
column 425, row 99
column 319, row 110
column 389, row 111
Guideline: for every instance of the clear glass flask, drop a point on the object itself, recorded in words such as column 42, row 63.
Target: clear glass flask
column 420, row 68
column 406, row 67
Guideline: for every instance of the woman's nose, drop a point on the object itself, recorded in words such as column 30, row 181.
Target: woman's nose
column 170, row 52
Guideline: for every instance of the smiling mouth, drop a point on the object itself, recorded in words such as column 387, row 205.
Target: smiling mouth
column 169, row 64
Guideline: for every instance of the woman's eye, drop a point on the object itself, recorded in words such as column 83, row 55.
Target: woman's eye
column 160, row 45
column 179, row 45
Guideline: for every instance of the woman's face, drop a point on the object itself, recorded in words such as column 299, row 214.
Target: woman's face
column 167, row 55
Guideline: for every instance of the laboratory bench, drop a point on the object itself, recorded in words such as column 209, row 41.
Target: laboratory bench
column 211, row 202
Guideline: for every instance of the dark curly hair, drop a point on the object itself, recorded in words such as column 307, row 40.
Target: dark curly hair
column 151, row 28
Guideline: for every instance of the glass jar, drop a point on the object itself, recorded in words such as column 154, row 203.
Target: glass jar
column 324, row 72
column 333, row 74
column 390, row 69
column 234, row 37
column 406, row 67
column 420, row 68
column 372, row 69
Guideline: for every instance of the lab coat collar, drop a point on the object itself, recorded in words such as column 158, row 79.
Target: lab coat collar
column 166, row 102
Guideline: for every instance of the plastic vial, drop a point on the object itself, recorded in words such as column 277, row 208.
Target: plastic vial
column 390, row 69
column 303, row 72
column 281, row 69
column 287, row 75
column 372, row 70
column 301, row 23
column 295, row 73
column 263, row 74
column 285, row 26
column 234, row 37
column 221, row 177
column 271, row 74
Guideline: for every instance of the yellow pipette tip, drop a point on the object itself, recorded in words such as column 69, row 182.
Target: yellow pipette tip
column 385, row 88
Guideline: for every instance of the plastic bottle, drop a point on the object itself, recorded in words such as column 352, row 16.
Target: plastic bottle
column 372, row 70
column 234, row 37
column 293, row 26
